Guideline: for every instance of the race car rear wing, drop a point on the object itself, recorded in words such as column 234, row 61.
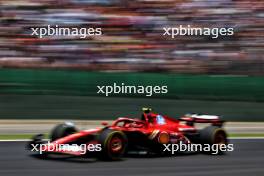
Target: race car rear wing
column 195, row 118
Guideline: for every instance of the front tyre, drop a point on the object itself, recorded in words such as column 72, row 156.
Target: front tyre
column 113, row 144
column 62, row 130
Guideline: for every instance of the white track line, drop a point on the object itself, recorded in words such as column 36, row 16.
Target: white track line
column 27, row 140
column 14, row 140
column 18, row 140
column 246, row 138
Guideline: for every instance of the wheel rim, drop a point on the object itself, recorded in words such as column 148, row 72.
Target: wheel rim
column 220, row 138
column 116, row 144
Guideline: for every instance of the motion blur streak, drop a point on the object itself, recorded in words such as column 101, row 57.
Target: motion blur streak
column 133, row 35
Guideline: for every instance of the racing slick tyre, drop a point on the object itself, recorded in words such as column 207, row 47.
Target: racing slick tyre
column 113, row 144
column 62, row 130
column 213, row 135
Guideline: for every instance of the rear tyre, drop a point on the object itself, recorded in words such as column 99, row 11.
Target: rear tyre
column 113, row 144
column 62, row 130
column 213, row 135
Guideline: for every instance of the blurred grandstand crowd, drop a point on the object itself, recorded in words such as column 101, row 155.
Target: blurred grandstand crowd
column 132, row 37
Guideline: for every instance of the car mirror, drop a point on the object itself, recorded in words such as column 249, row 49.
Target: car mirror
column 104, row 123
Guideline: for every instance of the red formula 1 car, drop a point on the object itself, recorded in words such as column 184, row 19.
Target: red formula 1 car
column 149, row 134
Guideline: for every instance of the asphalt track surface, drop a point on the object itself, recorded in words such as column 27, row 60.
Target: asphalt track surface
column 246, row 159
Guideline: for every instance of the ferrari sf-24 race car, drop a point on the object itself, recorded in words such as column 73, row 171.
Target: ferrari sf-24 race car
column 148, row 133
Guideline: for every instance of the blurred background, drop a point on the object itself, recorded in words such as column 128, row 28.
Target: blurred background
column 56, row 77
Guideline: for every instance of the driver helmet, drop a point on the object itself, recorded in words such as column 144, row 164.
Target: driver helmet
column 147, row 110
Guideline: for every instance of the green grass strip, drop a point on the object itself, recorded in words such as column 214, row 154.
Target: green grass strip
column 18, row 136
column 246, row 135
